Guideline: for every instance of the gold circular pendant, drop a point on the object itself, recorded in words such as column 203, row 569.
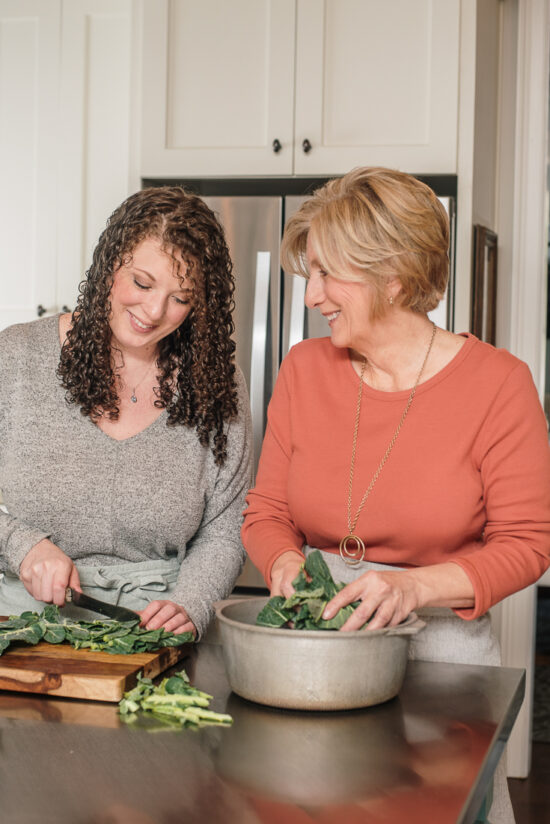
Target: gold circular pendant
column 352, row 555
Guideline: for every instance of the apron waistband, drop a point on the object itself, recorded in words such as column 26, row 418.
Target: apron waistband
column 153, row 576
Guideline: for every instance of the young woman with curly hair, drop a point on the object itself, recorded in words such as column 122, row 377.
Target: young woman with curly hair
column 125, row 428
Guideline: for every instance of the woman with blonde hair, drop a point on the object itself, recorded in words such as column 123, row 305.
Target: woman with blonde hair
column 416, row 459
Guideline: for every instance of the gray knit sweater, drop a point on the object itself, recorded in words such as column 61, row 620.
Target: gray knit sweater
column 157, row 495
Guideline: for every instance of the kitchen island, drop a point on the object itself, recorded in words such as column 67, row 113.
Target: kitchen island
column 427, row 755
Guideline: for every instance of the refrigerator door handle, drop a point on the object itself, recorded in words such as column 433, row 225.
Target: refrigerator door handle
column 259, row 340
column 297, row 310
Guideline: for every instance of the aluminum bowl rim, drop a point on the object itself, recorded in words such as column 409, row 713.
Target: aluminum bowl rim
column 411, row 622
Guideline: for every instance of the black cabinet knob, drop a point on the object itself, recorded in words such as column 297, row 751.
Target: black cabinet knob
column 40, row 310
column 276, row 146
column 306, row 146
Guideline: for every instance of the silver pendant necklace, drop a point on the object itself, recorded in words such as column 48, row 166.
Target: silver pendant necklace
column 133, row 396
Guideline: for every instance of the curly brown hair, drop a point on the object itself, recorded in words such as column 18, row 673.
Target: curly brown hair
column 195, row 362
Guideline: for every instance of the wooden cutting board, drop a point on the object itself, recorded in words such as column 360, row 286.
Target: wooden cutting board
column 59, row 669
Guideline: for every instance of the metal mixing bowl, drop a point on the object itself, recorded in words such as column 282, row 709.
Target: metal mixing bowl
column 311, row 670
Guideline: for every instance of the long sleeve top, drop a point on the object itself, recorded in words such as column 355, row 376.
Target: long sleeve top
column 467, row 481
column 157, row 495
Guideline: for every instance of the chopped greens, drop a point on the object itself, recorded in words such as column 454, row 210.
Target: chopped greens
column 314, row 587
column 117, row 637
column 174, row 702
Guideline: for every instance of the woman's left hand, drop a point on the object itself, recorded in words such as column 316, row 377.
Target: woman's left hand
column 169, row 616
column 386, row 597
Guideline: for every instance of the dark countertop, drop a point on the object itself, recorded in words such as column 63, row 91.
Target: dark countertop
column 427, row 755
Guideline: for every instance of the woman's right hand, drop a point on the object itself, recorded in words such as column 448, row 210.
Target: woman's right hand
column 284, row 571
column 46, row 573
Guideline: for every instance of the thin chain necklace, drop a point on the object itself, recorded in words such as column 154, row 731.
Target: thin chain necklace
column 133, row 396
column 354, row 555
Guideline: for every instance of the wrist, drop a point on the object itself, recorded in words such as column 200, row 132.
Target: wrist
column 286, row 556
column 441, row 585
column 419, row 588
column 29, row 555
column 290, row 555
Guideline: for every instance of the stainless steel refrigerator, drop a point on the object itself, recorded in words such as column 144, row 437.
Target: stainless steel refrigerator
column 270, row 315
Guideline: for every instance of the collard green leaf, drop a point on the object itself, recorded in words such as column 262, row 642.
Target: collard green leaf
column 14, row 622
column 301, row 582
column 172, row 640
column 301, row 615
column 314, row 588
column 31, row 617
column 117, row 637
column 75, row 632
column 111, row 634
column 53, row 633
column 177, row 684
column 316, row 608
column 339, row 619
column 28, row 634
column 311, row 594
column 50, row 614
column 274, row 613
column 151, row 636
column 174, row 701
column 309, row 624
column 123, row 646
column 318, row 571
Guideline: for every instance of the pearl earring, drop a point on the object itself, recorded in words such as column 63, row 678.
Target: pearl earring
column 391, row 300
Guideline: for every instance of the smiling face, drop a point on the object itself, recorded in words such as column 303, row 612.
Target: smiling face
column 346, row 304
column 150, row 297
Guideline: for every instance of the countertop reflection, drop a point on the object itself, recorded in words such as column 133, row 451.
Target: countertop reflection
column 426, row 755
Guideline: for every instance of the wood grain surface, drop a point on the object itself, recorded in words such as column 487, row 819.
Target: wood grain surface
column 59, row 669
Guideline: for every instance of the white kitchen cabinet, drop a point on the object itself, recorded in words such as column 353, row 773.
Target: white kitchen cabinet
column 377, row 85
column 29, row 94
column 94, row 131
column 218, row 87
column 308, row 87
column 65, row 91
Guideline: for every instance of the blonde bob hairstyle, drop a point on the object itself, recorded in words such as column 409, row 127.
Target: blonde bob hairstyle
column 373, row 225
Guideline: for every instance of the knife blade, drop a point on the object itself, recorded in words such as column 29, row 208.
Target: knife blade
column 79, row 599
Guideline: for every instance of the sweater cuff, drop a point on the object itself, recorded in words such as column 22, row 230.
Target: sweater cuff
column 199, row 608
column 481, row 604
column 20, row 542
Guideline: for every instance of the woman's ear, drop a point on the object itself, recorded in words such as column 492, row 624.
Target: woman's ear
column 393, row 288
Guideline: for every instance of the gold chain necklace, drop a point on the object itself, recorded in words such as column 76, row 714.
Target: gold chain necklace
column 354, row 555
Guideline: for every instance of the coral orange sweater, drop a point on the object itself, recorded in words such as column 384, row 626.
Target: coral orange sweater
column 468, row 479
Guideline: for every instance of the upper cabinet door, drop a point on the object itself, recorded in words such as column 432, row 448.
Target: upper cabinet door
column 29, row 73
column 377, row 84
column 218, row 87
column 94, row 130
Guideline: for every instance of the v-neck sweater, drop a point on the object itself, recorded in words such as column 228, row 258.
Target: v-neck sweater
column 467, row 481
column 157, row 495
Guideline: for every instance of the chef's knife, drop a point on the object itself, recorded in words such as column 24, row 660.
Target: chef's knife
column 73, row 596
